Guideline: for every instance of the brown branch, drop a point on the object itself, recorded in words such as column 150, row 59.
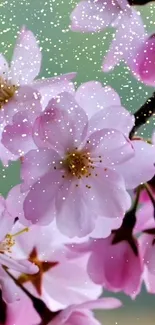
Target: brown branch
column 139, row 2
column 143, row 114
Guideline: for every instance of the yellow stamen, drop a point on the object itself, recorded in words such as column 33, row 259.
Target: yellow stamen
column 9, row 241
column 7, row 91
column 77, row 163
column 20, row 232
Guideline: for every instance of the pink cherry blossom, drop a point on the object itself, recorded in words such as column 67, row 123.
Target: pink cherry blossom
column 21, row 93
column 74, row 170
column 62, row 280
column 115, row 266
column 102, row 106
column 7, row 241
column 96, row 15
column 81, row 314
column 132, row 44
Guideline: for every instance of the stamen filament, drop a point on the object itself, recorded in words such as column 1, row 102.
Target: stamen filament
column 20, row 232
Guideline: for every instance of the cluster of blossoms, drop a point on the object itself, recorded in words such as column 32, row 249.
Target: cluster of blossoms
column 75, row 216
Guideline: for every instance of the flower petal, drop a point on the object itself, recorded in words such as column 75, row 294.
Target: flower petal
column 23, row 266
column 17, row 137
column 102, row 303
column 37, row 163
column 93, row 16
column 16, row 210
column 5, row 154
column 73, row 216
column 25, row 99
column 129, row 35
column 50, row 88
column 107, row 190
column 62, row 126
column 113, row 117
column 39, row 202
column 26, row 60
column 141, row 167
column 109, row 147
column 145, row 62
column 92, row 97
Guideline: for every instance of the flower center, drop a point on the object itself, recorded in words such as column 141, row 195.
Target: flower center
column 9, row 241
column 78, row 164
column 6, row 92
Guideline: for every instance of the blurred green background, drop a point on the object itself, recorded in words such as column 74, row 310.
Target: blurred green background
column 65, row 51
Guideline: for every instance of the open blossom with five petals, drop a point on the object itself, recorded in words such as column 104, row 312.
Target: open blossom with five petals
column 19, row 92
column 81, row 314
column 135, row 46
column 72, row 171
column 7, row 241
column 96, row 15
column 103, row 108
column 61, row 280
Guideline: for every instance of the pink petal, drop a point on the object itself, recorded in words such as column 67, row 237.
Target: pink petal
column 104, row 226
column 78, row 207
column 73, row 216
column 53, row 129
column 6, row 219
column 90, row 16
column 102, row 303
column 73, row 316
column 141, row 167
column 129, row 35
column 5, row 155
column 92, row 97
column 106, row 258
column 62, row 126
column 109, row 147
column 23, row 266
column 113, row 117
column 147, row 250
column 146, row 61
column 50, row 88
column 144, row 217
column 37, row 163
column 39, row 203
column 17, row 137
column 25, row 99
column 6, row 224
column 71, row 283
column 10, row 292
column 17, row 312
column 108, row 193
column 149, row 280
column 26, row 60
column 16, row 210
